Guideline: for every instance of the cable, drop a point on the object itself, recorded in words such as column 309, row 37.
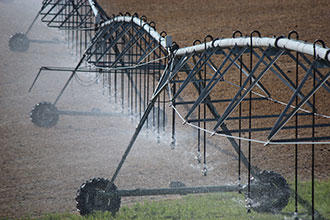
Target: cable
column 277, row 101
column 126, row 67
column 242, row 138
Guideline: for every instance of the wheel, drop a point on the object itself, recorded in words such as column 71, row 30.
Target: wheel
column 87, row 202
column 44, row 114
column 19, row 42
column 272, row 192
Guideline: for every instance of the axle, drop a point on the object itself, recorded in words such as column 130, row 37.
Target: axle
column 174, row 191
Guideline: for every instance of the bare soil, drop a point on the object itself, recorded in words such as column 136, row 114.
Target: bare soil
column 41, row 169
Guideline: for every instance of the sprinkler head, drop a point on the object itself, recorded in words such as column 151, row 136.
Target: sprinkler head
column 173, row 143
column 199, row 157
column 205, row 170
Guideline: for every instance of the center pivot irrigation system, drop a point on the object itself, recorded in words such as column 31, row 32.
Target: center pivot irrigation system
column 248, row 89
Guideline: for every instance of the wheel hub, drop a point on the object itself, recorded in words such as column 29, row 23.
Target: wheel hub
column 87, row 200
column 44, row 114
column 19, row 42
column 271, row 193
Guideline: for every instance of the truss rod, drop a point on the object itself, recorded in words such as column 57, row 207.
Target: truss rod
column 216, row 115
column 306, row 69
column 57, row 13
column 236, row 101
column 246, row 117
column 69, row 80
column 74, row 10
column 133, row 139
column 129, row 45
column 208, row 88
column 59, row 69
column 113, row 41
column 193, row 72
column 282, row 76
column 270, row 128
column 217, row 100
column 243, row 71
column 35, row 19
column 281, row 122
column 48, row 12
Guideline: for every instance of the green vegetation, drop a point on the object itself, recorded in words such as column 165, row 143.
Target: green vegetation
column 322, row 197
column 208, row 206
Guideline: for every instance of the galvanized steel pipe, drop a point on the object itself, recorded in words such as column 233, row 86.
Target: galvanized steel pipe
column 284, row 43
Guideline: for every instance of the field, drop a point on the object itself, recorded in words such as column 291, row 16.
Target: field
column 189, row 20
column 211, row 206
column 41, row 169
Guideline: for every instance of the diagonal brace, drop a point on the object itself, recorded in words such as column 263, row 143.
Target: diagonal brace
column 237, row 101
column 193, row 72
column 208, row 88
column 282, row 120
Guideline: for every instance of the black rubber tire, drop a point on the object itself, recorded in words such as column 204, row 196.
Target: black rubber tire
column 19, row 42
column 273, row 195
column 86, row 197
column 44, row 114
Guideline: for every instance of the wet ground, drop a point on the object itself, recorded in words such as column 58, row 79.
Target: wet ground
column 41, row 169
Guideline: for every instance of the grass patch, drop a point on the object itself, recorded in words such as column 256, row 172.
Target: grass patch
column 322, row 197
column 208, row 206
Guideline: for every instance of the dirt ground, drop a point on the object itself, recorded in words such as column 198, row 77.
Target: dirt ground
column 41, row 169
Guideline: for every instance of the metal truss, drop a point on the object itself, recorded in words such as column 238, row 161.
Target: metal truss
column 127, row 50
column 130, row 62
column 78, row 18
column 72, row 14
column 217, row 68
column 221, row 87
column 214, row 70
